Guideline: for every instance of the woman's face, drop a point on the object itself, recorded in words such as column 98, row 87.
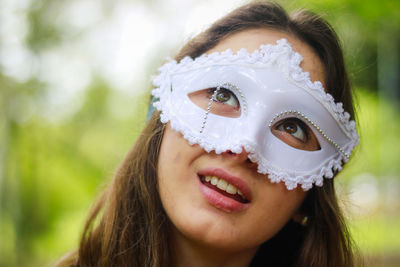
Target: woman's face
column 190, row 178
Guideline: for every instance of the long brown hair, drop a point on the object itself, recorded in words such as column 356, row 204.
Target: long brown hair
column 128, row 226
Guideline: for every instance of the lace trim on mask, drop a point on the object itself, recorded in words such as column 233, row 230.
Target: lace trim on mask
column 287, row 61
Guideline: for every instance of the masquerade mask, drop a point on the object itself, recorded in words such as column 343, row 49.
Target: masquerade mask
column 260, row 102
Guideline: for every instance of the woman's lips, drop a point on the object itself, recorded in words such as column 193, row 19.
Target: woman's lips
column 223, row 190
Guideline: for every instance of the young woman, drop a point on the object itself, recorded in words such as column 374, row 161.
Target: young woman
column 235, row 167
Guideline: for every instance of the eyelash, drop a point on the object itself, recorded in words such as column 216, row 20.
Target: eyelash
column 212, row 90
column 292, row 114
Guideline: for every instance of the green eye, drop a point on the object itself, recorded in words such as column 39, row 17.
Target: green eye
column 226, row 97
column 294, row 127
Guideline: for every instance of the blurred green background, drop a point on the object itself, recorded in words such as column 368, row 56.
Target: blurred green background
column 74, row 84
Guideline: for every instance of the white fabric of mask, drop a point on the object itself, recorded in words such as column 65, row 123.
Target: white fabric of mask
column 269, row 86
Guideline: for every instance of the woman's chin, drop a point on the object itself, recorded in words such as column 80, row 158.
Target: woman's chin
column 216, row 234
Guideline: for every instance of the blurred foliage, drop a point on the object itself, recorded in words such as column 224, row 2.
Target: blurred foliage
column 379, row 130
column 50, row 171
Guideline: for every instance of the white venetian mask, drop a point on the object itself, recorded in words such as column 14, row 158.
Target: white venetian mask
column 227, row 102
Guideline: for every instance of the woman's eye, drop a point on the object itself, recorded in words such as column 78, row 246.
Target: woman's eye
column 294, row 128
column 222, row 102
column 296, row 133
column 226, row 97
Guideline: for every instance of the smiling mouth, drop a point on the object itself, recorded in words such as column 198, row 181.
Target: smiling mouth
column 223, row 187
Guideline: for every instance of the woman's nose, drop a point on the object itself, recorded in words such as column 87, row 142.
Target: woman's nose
column 239, row 157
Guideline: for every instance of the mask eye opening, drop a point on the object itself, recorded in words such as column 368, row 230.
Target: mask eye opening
column 303, row 117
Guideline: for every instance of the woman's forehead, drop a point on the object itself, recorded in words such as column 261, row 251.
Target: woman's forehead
column 253, row 38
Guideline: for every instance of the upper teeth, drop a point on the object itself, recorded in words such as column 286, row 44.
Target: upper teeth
column 223, row 185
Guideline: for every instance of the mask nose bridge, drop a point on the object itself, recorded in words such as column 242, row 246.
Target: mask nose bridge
column 255, row 130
